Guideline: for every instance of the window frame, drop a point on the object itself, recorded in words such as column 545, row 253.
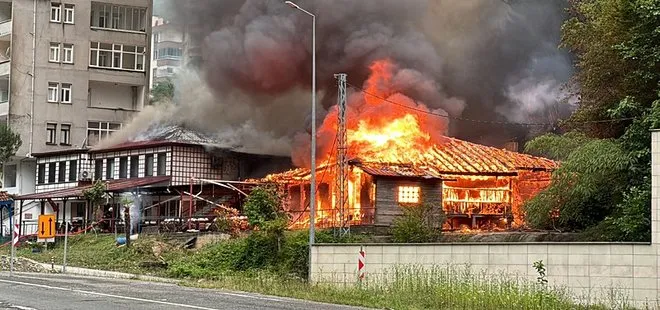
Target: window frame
column 54, row 52
column 66, row 88
column 65, row 134
column 103, row 130
column 66, row 9
column 6, row 173
column 56, row 10
column 53, row 89
column 409, row 194
column 116, row 17
column 117, row 53
column 51, row 133
column 67, row 49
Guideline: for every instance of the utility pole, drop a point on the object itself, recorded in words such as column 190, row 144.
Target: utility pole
column 341, row 185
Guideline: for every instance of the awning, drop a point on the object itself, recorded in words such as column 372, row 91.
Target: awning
column 112, row 186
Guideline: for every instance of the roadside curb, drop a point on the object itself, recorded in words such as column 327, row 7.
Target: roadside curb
column 102, row 273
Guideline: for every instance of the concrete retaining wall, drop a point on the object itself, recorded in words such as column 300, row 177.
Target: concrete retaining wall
column 589, row 270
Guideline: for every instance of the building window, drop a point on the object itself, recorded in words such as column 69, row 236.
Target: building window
column 116, row 56
column 123, row 167
column 149, row 165
column 41, row 174
column 10, row 176
column 408, row 194
column 51, row 172
column 61, row 173
column 68, row 13
column 73, row 170
column 118, row 17
column 52, row 91
column 55, row 12
column 54, row 55
column 162, row 165
column 51, row 133
column 109, row 168
column 65, row 134
column 156, row 37
column 135, row 161
column 97, row 131
column 67, row 53
column 65, row 91
column 169, row 53
column 98, row 169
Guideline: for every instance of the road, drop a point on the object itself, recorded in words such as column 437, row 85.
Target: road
column 56, row 291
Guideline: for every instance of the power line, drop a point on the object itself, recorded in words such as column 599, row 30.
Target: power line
column 483, row 121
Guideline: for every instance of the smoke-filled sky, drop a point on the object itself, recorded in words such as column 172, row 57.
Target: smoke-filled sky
column 490, row 60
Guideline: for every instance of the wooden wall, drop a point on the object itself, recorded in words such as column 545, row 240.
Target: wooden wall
column 387, row 206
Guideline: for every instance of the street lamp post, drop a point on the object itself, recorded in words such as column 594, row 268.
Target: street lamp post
column 312, row 191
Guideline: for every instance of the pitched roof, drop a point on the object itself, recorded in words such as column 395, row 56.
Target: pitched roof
column 452, row 157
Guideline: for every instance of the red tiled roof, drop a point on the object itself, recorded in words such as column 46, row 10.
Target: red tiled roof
column 4, row 196
column 454, row 156
column 112, row 186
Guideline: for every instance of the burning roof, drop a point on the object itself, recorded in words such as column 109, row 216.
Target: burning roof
column 452, row 157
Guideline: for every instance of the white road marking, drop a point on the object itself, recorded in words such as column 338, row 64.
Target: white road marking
column 216, row 292
column 108, row 295
column 21, row 307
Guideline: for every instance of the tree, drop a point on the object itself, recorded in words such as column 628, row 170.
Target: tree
column 604, row 185
column 94, row 197
column 162, row 91
column 10, row 141
column 264, row 211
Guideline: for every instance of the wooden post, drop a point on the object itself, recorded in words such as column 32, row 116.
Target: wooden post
column 127, row 225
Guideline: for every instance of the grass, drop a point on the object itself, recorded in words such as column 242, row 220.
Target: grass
column 405, row 287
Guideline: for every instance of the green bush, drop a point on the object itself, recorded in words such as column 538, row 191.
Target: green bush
column 262, row 205
column 418, row 224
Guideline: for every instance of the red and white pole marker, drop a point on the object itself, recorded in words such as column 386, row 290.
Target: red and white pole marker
column 15, row 238
column 14, row 243
column 361, row 261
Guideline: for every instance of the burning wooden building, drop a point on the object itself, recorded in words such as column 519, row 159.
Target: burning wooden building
column 398, row 154
column 474, row 185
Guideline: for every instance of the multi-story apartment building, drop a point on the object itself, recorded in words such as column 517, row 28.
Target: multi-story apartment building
column 167, row 49
column 72, row 72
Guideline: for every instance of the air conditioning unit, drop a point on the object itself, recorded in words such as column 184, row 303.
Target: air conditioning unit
column 85, row 176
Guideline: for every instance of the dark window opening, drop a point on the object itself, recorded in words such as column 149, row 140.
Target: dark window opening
column 149, row 165
column 123, row 167
column 41, row 177
column 51, row 172
column 135, row 161
column 109, row 168
column 98, row 169
column 73, row 170
column 162, row 165
column 61, row 174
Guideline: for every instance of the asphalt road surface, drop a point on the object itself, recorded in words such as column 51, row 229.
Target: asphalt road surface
column 55, row 291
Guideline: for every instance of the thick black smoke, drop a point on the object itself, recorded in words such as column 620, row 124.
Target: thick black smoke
column 483, row 59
